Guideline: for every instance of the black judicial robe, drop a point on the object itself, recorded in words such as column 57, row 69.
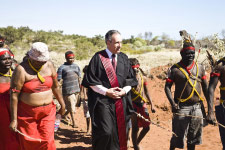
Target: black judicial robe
column 96, row 75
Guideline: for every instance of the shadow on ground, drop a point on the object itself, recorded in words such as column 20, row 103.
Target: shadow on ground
column 66, row 136
column 75, row 148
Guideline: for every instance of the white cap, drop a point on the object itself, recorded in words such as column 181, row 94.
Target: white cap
column 39, row 52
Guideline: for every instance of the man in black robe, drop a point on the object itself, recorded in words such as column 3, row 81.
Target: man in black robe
column 103, row 96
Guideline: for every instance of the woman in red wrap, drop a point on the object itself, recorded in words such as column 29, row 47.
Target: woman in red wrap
column 8, row 139
column 33, row 84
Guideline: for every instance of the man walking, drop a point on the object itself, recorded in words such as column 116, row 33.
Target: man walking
column 109, row 78
column 188, row 77
column 69, row 74
column 218, row 75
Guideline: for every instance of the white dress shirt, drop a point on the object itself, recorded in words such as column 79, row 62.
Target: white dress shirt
column 100, row 88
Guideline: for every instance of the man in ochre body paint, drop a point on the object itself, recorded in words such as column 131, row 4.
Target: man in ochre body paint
column 188, row 77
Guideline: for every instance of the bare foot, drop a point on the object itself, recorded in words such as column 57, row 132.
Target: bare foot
column 74, row 126
column 88, row 133
column 137, row 148
column 128, row 144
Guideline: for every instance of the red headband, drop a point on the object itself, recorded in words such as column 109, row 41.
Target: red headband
column 187, row 48
column 5, row 51
column 69, row 55
column 135, row 66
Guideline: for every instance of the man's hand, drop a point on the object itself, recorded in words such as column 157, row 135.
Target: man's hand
column 153, row 109
column 175, row 108
column 120, row 92
column 13, row 125
column 210, row 118
column 115, row 93
column 62, row 110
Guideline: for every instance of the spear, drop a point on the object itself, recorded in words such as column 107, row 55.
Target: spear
column 156, row 124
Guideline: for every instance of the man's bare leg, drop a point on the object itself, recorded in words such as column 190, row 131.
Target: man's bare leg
column 73, row 119
column 142, row 134
column 88, row 126
column 190, row 147
column 134, row 133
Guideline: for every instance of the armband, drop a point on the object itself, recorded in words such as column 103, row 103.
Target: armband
column 55, row 76
column 14, row 90
column 145, row 83
column 169, row 80
column 204, row 77
column 214, row 74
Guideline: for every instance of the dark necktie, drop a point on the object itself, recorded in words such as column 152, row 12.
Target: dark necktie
column 114, row 61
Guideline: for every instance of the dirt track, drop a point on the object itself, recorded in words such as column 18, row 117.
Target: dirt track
column 157, row 139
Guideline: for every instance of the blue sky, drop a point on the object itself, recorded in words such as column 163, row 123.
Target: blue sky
column 130, row 17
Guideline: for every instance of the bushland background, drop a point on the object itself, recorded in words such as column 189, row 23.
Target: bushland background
column 155, row 53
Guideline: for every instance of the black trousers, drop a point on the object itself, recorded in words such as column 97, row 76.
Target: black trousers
column 220, row 116
column 104, row 128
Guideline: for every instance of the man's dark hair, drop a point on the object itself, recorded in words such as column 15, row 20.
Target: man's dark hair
column 134, row 61
column 2, row 41
column 68, row 52
column 1, row 37
column 187, row 44
column 85, row 69
column 108, row 35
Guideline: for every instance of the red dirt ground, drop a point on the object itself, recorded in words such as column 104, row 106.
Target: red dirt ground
column 68, row 138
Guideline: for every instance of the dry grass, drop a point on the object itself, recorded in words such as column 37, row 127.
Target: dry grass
column 148, row 60
column 167, row 56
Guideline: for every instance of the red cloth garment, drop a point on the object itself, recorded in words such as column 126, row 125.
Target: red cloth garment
column 8, row 139
column 4, row 88
column 38, row 123
column 35, row 85
column 142, row 110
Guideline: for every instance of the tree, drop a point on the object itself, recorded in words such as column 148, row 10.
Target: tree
column 148, row 36
column 98, row 40
column 165, row 37
column 10, row 34
column 223, row 34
